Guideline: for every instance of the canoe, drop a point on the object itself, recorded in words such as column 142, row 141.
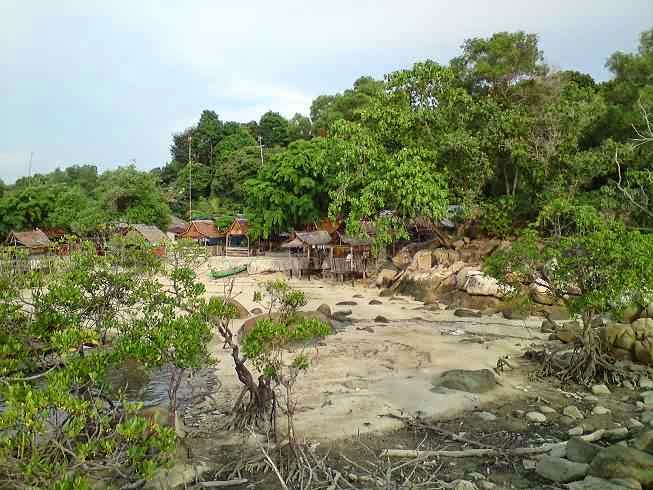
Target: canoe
column 227, row 272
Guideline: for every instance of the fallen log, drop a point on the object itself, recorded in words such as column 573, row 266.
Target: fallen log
column 471, row 453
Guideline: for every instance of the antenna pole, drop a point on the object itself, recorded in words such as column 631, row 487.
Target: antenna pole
column 190, row 182
column 260, row 145
column 29, row 167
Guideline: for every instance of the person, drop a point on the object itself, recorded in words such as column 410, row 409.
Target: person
column 348, row 260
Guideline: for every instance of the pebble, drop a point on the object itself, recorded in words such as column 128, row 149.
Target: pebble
column 573, row 412
column 547, row 409
column 536, row 417
column 591, row 398
column 634, row 424
column 599, row 410
column 487, row 416
column 576, row 431
column 600, row 390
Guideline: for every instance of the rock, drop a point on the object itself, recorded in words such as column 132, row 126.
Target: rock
column 616, row 434
column 581, row 451
column 647, row 418
column 511, row 314
column 630, row 313
column 600, row 390
column 375, row 302
column 536, row 417
column 626, row 339
column 560, row 470
column 381, row 319
column 346, row 303
column 487, row 416
column 341, row 315
column 567, row 334
column 545, row 409
column 627, row 483
column 181, row 475
column 540, row 292
column 385, row 277
column 548, row 326
column 463, row 274
column 324, row 309
column 647, row 397
column 465, row 313
column 634, row 424
column 256, row 311
column 643, row 350
column 462, row 485
column 643, row 327
column 573, row 412
column 458, row 244
column 384, row 293
column 421, row 261
column 599, row 410
column 557, row 313
column 576, row 431
column 476, row 476
column 479, row 381
column 482, row 285
column 486, row 485
column 628, row 384
column 644, row 441
column 591, row 398
column 645, row 383
column 593, row 483
column 623, row 462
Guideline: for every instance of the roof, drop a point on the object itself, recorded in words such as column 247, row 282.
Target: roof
column 30, row 239
column 355, row 242
column 295, row 243
column 177, row 225
column 151, row 233
column 201, row 228
column 328, row 225
column 54, row 232
column 320, row 237
column 239, row 226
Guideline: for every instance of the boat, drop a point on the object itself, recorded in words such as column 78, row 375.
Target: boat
column 213, row 274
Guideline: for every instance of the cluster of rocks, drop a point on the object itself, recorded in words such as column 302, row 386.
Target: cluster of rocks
column 631, row 341
column 435, row 273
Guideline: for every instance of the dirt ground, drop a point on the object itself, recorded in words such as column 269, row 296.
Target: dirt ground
column 368, row 369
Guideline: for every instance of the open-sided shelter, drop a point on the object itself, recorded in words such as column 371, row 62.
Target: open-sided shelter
column 237, row 241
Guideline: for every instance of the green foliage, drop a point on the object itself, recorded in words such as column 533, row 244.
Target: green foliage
column 496, row 216
column 274, row 129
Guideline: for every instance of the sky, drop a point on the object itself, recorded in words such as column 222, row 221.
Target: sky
column 109, row 82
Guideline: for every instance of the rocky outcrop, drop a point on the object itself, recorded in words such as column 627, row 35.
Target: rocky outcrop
column 619, row 461
column 634, row 340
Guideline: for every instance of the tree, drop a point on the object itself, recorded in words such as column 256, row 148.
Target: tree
column 600, row 269
column 291, row 189
column 274, row 130
column 76, row 211
column 134, row 197
column 497, row 63
column 299, row 128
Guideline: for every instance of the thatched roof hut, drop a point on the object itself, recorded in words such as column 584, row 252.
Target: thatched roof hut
column 150, row 233
column 36, row 241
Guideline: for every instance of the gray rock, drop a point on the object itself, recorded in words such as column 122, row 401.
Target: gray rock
column 381, row 319
column 573, row 412
column 634, row 424
column 647, row 397
column 341, row 315
column 593, row 483
column 487, row 416
column 486, row 485
column 600, row 390
column 617, row 434
column 545, row 409
column 465, row 313
column 647, row 417
column 346, row 303
column 644, row 441
column 462, row 485
column 591, row 398
column 645, row 383
column 623, row 462
column 576, row 431
column 580, row 451
column 325, row 310
column 375, row 302
column 256, row 311
column 547, row 326
column 560, row 470
column 479, row 381
column 628, row 483
column 510, row 314
column 536, row 417
column 599, row 410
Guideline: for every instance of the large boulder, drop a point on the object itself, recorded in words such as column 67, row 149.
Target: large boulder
column 560, row 470
column 630, row 313
column 421, row 261
column 445, row 257
column 325, row 310
column 479, row 381
column 643, row 328
column 581, row 451
column 263, row 265
column 643, row 351
column 463, row 274
column 482, row 285
column 619, row 461
column 541, row 293
column 385, row 277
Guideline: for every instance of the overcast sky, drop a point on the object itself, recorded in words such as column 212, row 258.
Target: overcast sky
column 107, row 82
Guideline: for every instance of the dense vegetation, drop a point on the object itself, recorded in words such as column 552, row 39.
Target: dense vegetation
column 496, row 130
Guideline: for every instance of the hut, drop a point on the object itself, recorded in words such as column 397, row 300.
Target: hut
column 309, row 252
column 176, row 227
column 35, row 241
column 152, row 236
column 237, row 240
column 350, row 256
column 206, row 233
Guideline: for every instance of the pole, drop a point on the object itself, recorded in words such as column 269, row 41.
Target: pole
column 29, row 167
column 190, row 182
column 260, row 145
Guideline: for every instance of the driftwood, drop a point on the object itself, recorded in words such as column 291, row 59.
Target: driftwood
column 472, row 453
column 222, row 483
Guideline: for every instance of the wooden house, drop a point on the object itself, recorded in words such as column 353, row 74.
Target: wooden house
column 206, row 233
column 176, row 227
column 35, row 241
column 237, row 239
column 309, row 252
